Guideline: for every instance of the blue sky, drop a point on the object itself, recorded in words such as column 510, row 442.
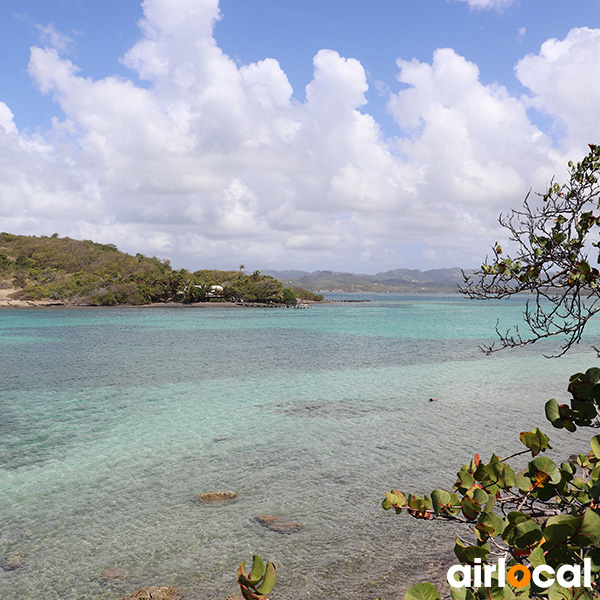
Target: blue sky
column 290, row 133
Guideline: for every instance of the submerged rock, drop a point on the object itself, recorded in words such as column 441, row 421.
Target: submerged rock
column 277, row 524
column 113, row 574
column 215, row 496
column 153, row 592
column 13, row 561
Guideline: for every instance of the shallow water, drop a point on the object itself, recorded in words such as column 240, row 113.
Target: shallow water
column 112, row 420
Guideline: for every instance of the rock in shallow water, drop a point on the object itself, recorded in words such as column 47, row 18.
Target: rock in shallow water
column 277, row 524
column 153, row 592
column 13, row 561
column 215, row 496
column 109, row 575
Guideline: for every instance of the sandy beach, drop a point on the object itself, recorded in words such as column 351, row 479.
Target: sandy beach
column 7, row 302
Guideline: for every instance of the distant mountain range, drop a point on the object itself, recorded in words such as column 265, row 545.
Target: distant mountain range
column 397, row 280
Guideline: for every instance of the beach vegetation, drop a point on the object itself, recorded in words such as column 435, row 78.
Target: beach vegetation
column 92, row 274
column 289, row 296
column 259, row 582
column 555, row 254
column 546, row 516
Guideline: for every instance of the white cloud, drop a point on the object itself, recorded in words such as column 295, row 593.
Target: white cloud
column 562, row 82
column 215, row 163
column 498, row 5
column 53, row 38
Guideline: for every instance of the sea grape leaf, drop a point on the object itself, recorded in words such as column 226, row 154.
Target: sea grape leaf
column 536, row 441
column 489, row 524
column 422, row 591
column 595, row 444
column 560, row 528
column 257, row 571
column 266, row 587
column 440, row 499
column 468, row 554
column 588, row 533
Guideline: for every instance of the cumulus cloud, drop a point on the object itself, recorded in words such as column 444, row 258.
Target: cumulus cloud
column 561, row 78
column 212, row 164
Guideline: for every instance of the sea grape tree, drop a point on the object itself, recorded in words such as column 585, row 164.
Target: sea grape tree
column 546, row 514
column 556, row 259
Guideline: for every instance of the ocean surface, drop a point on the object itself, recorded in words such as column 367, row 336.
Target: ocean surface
column 113, row 419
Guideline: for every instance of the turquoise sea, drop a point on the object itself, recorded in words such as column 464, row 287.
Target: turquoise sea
column 112, row 420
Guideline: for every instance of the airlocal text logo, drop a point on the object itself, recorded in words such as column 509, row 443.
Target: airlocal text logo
column 519, row 575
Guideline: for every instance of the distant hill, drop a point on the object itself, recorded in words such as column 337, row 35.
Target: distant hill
column 83, row 272
column 397, row 280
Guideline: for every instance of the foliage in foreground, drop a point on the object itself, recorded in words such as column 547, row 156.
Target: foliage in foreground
column 546, row 514
column 553, row 238
column 89, row 273
column 260, row 582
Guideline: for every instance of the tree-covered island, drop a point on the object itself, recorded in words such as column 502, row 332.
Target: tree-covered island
column 87, row 273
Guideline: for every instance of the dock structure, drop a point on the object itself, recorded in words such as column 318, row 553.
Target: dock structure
column 272, row 305
column 347, row 300
column 261, row 305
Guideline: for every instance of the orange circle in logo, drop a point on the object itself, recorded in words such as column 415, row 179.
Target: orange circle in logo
column 510, row 576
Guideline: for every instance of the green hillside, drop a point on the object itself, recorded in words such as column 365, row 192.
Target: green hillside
column 88, row 273
column 396, row 281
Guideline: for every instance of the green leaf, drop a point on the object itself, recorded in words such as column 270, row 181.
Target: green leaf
column 489, row 505
column 247, row 594
column 543, row 465
column 561, row 528
column 468, row 554
column 464, row 482
column 536, row 441
column 553, row 414
column 470, row 508
column 480, row 496
column 594, row 555
column 589, row 530
column 524, row 483
column 257, row 571
column 461, row 593
column 536, row 558
column 242, row 573
column 266, row 587
column 495, row 592
column 528, row 534
column 557, row 592
column 489, row 525
column 422, row 591
column 440, row 499
column 512, row 521
column 595, row 444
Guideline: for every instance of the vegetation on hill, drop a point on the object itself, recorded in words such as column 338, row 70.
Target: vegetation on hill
column 88, row 273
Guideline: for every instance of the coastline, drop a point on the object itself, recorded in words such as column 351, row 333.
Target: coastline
column 7, row 302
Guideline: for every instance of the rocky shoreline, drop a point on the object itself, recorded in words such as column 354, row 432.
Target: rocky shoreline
column 7, row 301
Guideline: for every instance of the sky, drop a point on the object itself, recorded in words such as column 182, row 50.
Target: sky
column 291, row 134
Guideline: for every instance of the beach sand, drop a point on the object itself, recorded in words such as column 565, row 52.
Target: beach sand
column 6, row 301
